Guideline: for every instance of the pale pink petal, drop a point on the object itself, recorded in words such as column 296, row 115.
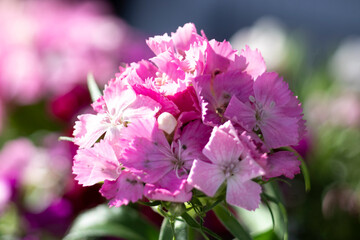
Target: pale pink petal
column 282, row 163
column 243, row 194
column 118, row 96
column 167, row 63
column 255, row 62
column 222, row 147
column 184, row 37
column 96, row 164
column 142, row 107
column 169, row 188
column 127, row 188
column 89, row 128
column 206, row 177
column 223, row 48
column 159, row 44
column 99, row 105
column 249, row 169
column 193, row 139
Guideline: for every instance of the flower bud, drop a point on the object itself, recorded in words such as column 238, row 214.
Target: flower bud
column 167, row 122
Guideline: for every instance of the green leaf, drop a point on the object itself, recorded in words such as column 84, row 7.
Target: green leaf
column 194, row 224
column 181, row 230
column 166, row 233
column 231, row 223
column 306, row 175
column 94, row 90
column 269, row 235
column 303, row 167
column 123, row 222
column 282, row 211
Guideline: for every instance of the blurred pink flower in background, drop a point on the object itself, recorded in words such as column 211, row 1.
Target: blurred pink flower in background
column 339, row 109
column 48, row 47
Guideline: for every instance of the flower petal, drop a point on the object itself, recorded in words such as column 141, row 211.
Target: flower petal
column 89, row 128
column 169, row 188
column 96, row 164
column 243, row 194
column 127, row 188
column 206, row 177
column 282, row 163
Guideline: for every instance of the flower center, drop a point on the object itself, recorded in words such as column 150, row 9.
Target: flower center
column 229, row 169
column 161, row 79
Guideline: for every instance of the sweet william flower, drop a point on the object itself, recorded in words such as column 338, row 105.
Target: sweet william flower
column 199, row 115
column 214, row 93
column 120, row 106
column 227, row 163
column 96, row 164
column 273, row 110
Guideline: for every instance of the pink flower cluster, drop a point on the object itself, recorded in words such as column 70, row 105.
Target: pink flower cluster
column 197, row 115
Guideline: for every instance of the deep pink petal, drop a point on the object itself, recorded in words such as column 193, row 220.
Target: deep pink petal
column 148, row 150
column 241, row 113
column 127, row 188
column 193, row 139
column 279, row 130
column 282, row 163
column 169, row 188
column 215, row 93
column 206, row 177
column 96, row 164
column 166, row 104
column 243, row 194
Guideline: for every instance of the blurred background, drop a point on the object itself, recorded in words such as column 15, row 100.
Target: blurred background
column 47, row 48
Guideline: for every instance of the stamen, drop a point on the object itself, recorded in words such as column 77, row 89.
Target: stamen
column 252, row 99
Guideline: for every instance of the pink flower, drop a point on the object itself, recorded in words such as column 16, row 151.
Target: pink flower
column 150, row 152
column 121, row 106
column 282, row 163
column 214, row 93
column 197, row 115
column 96, row 164
column 128, row 187
column 273, row 110
column 227, row 163
column 169, row 188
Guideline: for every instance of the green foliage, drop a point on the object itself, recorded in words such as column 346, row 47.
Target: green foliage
column 231, row 223
column 123, row 222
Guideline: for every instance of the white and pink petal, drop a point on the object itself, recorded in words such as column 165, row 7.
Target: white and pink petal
column 206, row 177
column 96, row 164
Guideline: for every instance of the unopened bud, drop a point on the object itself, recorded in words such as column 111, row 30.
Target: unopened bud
column 167, row 122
